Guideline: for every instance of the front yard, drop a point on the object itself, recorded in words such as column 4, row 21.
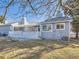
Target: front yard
column 37, row 49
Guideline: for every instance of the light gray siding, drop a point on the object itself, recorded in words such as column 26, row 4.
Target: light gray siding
column 56, row 34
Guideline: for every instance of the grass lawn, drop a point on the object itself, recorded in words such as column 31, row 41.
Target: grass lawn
column 38, row 49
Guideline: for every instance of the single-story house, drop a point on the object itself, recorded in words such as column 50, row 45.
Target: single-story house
column 54, row 28
column 25, row 30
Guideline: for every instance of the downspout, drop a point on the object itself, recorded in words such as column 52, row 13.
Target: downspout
column 69, row 31
column 40, row 31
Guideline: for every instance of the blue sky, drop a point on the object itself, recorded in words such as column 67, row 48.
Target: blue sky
column 14, row 9
column 11, row 17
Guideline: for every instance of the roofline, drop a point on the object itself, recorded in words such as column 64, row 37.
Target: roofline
column 57, row 21
column 5, row 25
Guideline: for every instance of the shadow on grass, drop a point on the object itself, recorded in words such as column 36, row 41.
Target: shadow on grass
column 37, row 46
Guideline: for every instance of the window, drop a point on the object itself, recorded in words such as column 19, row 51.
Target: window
column 47, row 27
column 18, row 28
column 44, row 28
column 38, row 28
column 60, row 26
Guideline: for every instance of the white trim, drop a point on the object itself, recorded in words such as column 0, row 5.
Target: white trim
column 59, row 23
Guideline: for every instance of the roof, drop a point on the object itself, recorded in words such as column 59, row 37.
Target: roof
column 59, row 19
column 5, row 24
column 25, row 25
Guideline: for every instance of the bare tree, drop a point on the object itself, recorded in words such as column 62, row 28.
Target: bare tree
column 41, row 7
column 71, row 8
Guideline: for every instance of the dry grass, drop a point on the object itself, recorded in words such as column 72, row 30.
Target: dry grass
column 65, row 53
column 37, row 49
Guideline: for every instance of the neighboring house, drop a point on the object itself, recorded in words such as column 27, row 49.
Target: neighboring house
column 4, row 29
column 54, row 28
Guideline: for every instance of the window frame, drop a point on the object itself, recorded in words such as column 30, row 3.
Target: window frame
column 47, row 27
column 60, row 24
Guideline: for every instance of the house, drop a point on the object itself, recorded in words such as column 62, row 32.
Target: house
column 54, row 28
column 24, row 29
column 4, row 29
